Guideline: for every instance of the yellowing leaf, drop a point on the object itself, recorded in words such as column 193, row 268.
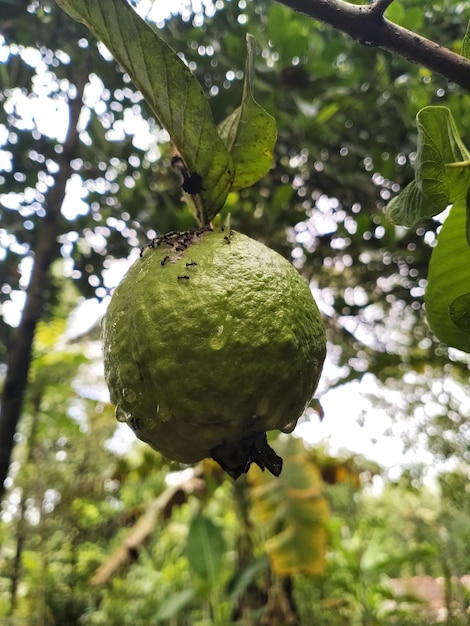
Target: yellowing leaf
column 292, row 511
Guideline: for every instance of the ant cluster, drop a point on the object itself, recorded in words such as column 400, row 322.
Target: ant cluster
column 179, row 242
column 176, row 240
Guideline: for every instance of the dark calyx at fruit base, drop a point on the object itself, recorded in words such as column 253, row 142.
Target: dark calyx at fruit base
column 236, row 458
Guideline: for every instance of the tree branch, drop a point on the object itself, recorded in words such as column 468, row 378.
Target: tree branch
column 46, row 251
column 367, row 25
column 380, row 6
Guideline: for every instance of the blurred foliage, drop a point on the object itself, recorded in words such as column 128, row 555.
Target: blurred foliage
column 346, row 146
column 332, row 176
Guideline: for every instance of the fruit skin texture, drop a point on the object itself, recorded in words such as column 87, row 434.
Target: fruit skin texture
column 211, row 337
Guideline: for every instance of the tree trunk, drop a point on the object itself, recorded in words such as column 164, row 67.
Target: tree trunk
column 21, row 526
column 45, row 252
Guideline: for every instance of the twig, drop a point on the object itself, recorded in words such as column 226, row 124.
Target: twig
column 361, row 23
column 172, row 496
column 379, row 7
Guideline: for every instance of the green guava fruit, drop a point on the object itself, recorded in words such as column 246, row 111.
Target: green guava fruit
column 211, row 340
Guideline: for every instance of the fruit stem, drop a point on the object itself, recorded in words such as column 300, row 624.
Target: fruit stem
column 201, row 215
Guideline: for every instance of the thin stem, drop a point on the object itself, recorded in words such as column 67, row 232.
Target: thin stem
column 457, row 164
column 380, row 6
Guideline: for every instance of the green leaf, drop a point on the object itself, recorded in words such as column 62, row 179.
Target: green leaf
column 173, row 604
column 278, row 16
column 448, row 281
column 410, row 18
column 459, row 312
column 205, row 548
column 292, row 511
column 281, row 198
column 467, row 217
column 439, row 144
column 410, row 203
column 289, row 34
column 246, row 576
column 436, row 184
column 396, row 12
column 249, row 132
column 327, row 112
column 170, row 89
column 466, row 43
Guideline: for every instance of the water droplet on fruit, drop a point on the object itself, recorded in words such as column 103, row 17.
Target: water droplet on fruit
column 217, row 342
column 121, row 415
column 142, row 274
column 129, row 395
column 288, row 428
column 150, row 421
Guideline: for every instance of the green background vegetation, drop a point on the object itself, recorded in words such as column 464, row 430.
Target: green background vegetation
column 91, row 536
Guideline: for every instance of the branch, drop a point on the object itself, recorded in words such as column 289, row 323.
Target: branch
column 380, row 6
column 174, row 495
column 45, row 253
column 134, row 539
column 367, row 25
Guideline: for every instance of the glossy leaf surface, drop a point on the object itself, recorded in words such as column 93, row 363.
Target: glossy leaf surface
column 249, row 132
column 439, row 180
column 447, row 299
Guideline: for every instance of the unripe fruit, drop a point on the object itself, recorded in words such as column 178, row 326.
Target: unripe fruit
column 211, row 340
